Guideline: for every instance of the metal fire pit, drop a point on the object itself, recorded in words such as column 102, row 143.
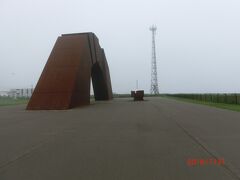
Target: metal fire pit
column 137, row 95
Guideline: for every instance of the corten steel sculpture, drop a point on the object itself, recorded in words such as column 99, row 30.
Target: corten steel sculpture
column 65, row 80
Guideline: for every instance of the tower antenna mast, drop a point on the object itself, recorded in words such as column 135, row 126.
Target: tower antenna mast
column 154, row 81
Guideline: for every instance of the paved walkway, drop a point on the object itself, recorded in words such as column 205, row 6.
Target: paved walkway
column 119, row 140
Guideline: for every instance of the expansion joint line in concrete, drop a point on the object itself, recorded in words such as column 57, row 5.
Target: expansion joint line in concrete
column 201, row 144
column 23, row 155
column 226, row 166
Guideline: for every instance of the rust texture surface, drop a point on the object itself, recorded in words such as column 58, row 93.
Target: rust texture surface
column 65, row 80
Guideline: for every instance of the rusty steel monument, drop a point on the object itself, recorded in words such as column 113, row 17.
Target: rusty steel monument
column 66, row 77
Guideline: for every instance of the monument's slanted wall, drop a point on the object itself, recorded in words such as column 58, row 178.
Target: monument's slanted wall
column 65, row 80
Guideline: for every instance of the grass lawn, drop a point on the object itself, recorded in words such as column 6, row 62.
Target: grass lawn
column 6, row 101
column 233, row 107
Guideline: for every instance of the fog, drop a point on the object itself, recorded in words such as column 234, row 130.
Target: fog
column 197, row 42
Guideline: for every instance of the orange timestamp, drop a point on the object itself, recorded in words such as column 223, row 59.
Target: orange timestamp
column 204, row 161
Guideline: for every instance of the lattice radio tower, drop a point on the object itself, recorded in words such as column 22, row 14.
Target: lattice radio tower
column 154, row 81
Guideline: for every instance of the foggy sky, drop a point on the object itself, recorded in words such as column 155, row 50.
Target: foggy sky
column 197, row 42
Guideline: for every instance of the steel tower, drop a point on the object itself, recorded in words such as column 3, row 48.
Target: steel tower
column 154, row 81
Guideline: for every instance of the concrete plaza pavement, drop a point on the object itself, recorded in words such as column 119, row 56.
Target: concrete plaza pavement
column 119, row 140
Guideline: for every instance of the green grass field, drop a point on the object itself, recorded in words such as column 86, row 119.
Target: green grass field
column 7, row 101
column 233, row 107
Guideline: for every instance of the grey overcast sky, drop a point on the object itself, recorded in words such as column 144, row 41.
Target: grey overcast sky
column 197, row 41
